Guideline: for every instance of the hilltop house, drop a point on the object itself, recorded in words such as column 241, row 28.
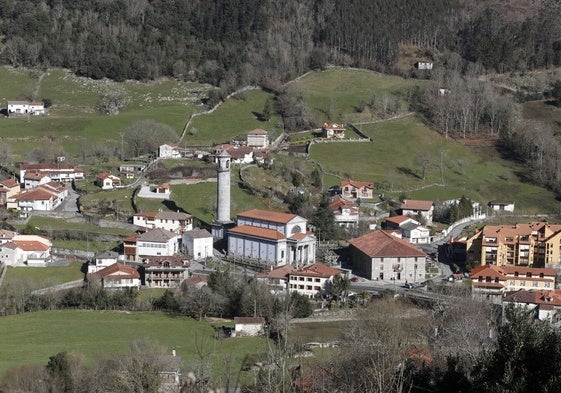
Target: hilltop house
column 26, row 250
column 176, row 222
column 356, row 189
column 333, row 130
column 271, row 237
column 25, row 108
column 417, row 208
column 380, row 255
column 107, row 181
column 169, row 151
column 258, row 138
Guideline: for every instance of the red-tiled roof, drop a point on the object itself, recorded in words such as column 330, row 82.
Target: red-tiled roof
column 340, row 203
column 249, row 230
column 280, row 272
column 356, row 184
column 30, row 245
column 268, row 215
column 196, row 279
column 35, row 175
column 174, row 261
column 485, row 284
column 383, row 244
column 10, row 183
column 301, row 235
column 123, row 270
column 333, row 126
column 398, row 219
column 36, row 194
column 317, row 270
column 413, row 204
column 151, row 215
column 540, row 297
column 257, row 131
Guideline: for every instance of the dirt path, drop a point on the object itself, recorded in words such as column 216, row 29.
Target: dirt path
column 38, row 86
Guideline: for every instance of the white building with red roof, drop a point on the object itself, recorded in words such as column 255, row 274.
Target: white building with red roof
column 381, row 255
column 8, row 188
column 25, row 108
column 276, row 278
column 333, row 130
column 26, row 250
column 346, row 213
column 258, row 138
column 169, row 151
column 107, row 181
column 545, row 304
column 45, row 197
column 416, row 208
column 165, row 272
column 356, row 189
column 60, row 172
column 410, row 230
column 116, row 276
column 273, row 238
column 312, row 280
column 177, row 222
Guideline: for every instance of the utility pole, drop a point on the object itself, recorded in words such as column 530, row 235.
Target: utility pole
column 122, row 146
column 441, row 166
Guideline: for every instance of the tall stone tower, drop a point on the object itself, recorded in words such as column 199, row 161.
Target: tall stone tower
column 222, row 195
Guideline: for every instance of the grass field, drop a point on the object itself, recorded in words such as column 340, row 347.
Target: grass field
column 49, row 223
column 43, row 277
column 235, row 117
column 478, row 173
column 34, row 337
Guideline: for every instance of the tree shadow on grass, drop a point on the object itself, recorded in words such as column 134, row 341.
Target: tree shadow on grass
column 408, row 172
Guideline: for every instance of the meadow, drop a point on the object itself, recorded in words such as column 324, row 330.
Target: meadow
column 43, row 277
column 34, row 337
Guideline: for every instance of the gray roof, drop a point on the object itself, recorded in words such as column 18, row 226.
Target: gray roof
column 157, row 235
column 166, row 215
column 410, row 225
column 106, row 255
column 198, row 233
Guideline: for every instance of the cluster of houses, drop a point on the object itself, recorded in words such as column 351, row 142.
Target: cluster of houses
column 24, row 250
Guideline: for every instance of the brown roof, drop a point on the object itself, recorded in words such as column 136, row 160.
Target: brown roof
column 198, row 233
column 151, row 215
column 398, row 219
column 31, row 245
column 169, row 215
column 157, row 235
column 317, row 270
column 240, row 152
column 333, row 126
column 196, row 279
column 268, row 215
column 257, row 232
column 123, row 270
column 505, row 272
column 249, row 320
column 383, row 244
column 35, row 175
column 280, row 272
column 356, row 184
column 340, row 203
column 413, row 204
column 36, row 194
column 257, row 131
column 174, row 261
column 10, row 183
column 540, row 297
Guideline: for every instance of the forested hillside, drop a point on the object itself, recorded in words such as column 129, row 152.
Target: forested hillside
column 234, row 42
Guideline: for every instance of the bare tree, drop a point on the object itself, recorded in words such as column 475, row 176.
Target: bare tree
column 144, row 136
column 112, row 103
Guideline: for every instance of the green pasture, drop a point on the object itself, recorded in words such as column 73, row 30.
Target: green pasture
column 17, row 84
column 34, row 337
column 341, row 90
column 543, row 112
column 236, row 116
column 42, row 277
column 391, row 159
column 49, row 224
column 200, row 200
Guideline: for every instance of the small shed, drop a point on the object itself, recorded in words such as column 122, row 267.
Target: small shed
column 506, row 206
column 249, row 326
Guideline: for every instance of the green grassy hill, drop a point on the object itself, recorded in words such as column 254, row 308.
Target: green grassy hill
column 34, row 337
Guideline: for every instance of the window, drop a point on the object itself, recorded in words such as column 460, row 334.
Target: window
column 522, row 283
column 546, row 285
column 534, row 284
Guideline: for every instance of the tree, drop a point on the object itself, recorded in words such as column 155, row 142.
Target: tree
column 556, row 92
column 144, row 136
column 323, row 219
column 338, row 288
column 315, row 178
column 267, row 109
column 113, row 102
column 425, row 161
column 525, row 358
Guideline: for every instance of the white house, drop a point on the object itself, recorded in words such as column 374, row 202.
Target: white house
column 239, row 154
column 169, row 151
column 34, row 179
column 276, row 278
column 424, row 65
column 116, row 276
column 380, row 255
column 25, row 108
column 272, row 237
column 333, row 130
column 8, row 188
column 177, row 222
column 258, row 138
column 107, row 181
column 249, row 326
column 60, row 171
column 46, row 197
column 102, row 260
column 312, row 280
column 157, row 242
column 410, row 230
column 22, row 250
column 501, row 206
column 416, row 208
column 198, row 244
column 346, row 213
column 6, row 236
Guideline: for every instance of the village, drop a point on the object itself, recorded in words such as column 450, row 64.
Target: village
column 505, row 263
